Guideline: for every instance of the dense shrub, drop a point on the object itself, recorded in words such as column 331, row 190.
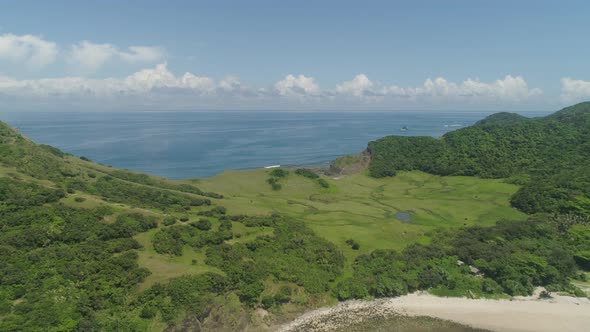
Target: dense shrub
column 203, row 224
column 548, row 156
column 169, row 220
column 323, row 183
column 512, row 257
column 279, row 173
column 138, row 195
column 307, row 173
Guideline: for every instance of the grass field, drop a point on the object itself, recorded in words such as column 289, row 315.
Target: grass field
column 164, row 267
column 364, row 208
column 354, row 207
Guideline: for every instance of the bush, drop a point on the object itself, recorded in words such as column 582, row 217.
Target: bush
column 203, row 224
column 274, row 183
column 267, row 302
column 216, row 211
column 283, row 295
column 169, row 220
column 168, row 241
column 579, row 293
column 353, row 244
column 583, row 259
column 545, row 295
column 184, row 219
column 279, row 173
column 323, row 183
column 148, row 312
column 79, row 199
column 225, row 225
column 307, row 173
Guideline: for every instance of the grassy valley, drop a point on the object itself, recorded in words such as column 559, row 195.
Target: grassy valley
column 365, row 208
column 89, row 247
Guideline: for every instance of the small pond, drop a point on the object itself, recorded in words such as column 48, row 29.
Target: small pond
column 404, row 216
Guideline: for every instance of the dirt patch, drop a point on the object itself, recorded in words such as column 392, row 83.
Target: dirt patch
column 349, row 164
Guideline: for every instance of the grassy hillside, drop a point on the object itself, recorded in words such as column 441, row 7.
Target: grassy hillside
column 548, row 156
column 90, row 247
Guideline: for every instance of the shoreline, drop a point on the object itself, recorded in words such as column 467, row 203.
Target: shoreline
column 559, row 313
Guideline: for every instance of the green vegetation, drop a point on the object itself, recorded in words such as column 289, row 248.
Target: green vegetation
column 510, row 257
column 353, row 244
column 279, row 173
column 364, row 208
column 150, row 181
column 138, row 195
column 548, row 156
column 307, row 173
column 89, row 247
column 275, row 175
column 312, row 175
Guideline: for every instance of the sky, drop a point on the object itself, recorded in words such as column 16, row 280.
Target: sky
column 294, row 55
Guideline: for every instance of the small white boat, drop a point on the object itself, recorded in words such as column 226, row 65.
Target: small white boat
column 273, row 166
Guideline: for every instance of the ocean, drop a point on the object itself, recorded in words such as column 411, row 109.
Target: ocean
column 179, row 145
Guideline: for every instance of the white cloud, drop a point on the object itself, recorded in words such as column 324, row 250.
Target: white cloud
column 508, row 89
column 574, row 90
column 91, row 56
column 359, row 86
column 230, row 83
column 153, row 80
column 297, row 86
column 34, row 51
column 160, row 88
column 146, row 54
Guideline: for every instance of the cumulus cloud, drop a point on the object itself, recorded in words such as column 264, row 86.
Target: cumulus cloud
column 153, row 80
column 359, row 86
column 573, row 90
column 91, row 56
column 508, row 89
column 31, row 50
column 142, row 54
column 162, row 88
column 297, row 86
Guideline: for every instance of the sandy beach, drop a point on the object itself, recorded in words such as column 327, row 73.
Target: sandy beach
column 560, row 313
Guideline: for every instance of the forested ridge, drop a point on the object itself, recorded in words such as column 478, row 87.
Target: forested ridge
column 86, row 247
column 548, row 156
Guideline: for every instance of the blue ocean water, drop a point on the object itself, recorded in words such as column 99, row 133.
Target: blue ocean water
column 180, row 145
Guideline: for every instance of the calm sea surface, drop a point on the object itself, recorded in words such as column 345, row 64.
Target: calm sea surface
column 201, row 144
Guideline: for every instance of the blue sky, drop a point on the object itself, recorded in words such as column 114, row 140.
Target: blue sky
column 521, row 55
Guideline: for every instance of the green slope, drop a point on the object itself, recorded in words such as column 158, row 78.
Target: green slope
column 90, row 247
column 549, row 156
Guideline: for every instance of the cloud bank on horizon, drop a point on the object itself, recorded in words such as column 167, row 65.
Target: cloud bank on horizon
column 156, row 87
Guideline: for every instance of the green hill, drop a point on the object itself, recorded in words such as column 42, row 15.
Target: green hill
column 549, row 156
column 89, row 247
column 503, row 119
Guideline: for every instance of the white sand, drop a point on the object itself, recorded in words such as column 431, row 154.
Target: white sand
column 561, row 313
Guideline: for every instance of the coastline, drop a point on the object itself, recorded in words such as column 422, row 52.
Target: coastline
column 559, row 313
